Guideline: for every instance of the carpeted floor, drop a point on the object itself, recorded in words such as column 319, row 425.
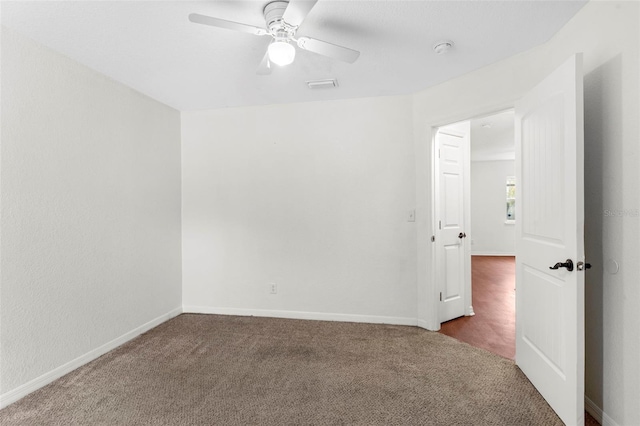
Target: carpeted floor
column 225, row 370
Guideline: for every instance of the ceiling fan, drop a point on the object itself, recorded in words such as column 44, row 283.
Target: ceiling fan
column 282, row 20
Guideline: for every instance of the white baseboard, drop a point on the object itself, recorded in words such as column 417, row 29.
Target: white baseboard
column 593, row 409
column 597, row 413
column 23, row 390
column 484, row 253
column 424, row 324
column 319, row 316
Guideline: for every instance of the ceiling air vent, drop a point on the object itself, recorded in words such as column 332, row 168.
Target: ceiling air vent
column 322, row 84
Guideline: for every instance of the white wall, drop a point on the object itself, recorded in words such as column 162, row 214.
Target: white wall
column 490, row 235
column 607, row 33
column 311, row 196
column 90, row 194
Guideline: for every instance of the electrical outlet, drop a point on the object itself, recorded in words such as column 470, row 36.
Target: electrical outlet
column 273, row 288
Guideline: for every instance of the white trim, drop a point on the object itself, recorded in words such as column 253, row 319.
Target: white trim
column 468, row 285
column 484, row 253
column 425, row 324
column 486, row 158
column 435, row 204
column 427, row 168
column 433, row 297
column 597, row 413
column 591, row 408
column 23, row 390
column 319, row 316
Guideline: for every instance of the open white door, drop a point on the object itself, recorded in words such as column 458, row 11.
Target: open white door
column 549, row 230
column 452, row 201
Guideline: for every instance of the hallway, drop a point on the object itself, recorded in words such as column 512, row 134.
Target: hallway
column 493, row 326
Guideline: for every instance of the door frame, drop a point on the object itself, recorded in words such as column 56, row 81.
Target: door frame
column 434, row 303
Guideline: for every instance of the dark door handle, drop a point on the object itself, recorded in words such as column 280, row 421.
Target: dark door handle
column 462, row 235
column 568, row 264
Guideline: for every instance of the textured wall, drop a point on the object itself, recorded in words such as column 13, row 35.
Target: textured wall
column 313, row 197
column 90, row 193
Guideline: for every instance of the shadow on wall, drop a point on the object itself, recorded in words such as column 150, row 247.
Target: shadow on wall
column 603, row 124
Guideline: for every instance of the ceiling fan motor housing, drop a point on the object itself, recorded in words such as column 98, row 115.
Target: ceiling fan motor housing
column 273, row 13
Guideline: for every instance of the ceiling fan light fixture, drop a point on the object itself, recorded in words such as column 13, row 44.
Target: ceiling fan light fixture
column 281, row 53
column 282, row 18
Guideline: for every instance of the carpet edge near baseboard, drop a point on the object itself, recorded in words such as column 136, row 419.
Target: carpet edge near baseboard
column 317, row 316
column 25, row 389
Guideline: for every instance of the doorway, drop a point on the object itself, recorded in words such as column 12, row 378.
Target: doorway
column 549, row 124
column 493, row 326
column 489, row 323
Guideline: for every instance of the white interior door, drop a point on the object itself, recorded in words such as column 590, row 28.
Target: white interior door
column 452, row 258
column 549, row 230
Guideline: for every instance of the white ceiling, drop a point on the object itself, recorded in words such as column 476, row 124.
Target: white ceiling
column 152, row 47
column 492, row 137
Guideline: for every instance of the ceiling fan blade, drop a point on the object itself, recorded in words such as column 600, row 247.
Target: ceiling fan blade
column 230, row 25
column 265, row 66
column 297, row 10
column 328, row 49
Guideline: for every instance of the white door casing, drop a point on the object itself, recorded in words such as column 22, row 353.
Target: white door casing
column 550, row 229
column 452, row 220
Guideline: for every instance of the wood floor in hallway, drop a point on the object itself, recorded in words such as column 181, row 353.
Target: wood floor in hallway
column 493, row 297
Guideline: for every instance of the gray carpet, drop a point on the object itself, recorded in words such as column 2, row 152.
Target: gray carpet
column 224, row 370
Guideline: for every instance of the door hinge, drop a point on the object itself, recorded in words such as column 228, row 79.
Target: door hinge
column 441, row 296
column 439, row 224
column 433, row 238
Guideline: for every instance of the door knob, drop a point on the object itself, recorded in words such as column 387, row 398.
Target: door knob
column 568, row 264
column 462, row 235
